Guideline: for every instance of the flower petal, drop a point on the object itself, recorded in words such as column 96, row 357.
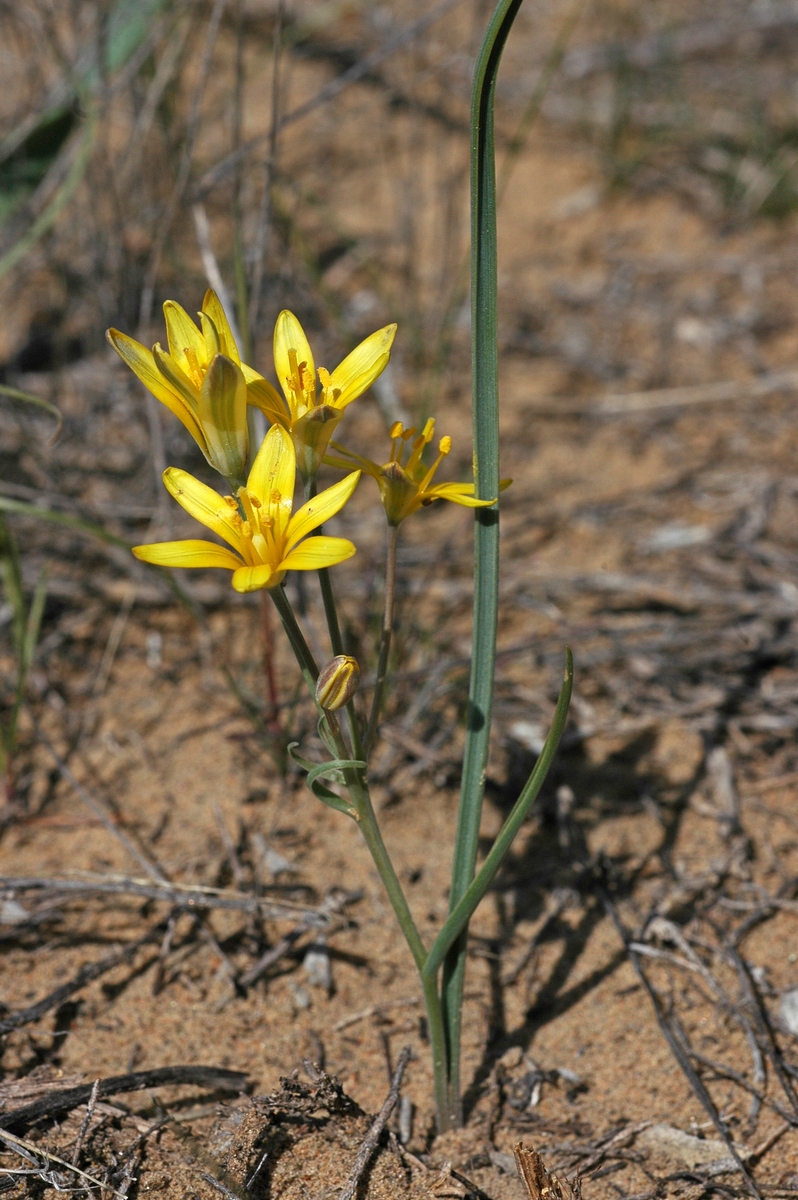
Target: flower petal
column 191, row 553
column 212, row 308
column 318, row 552
column 205, row 505
column 273, row 475
column 176, row 378
column 252, row 579
column 223, row 415
column 458, row 493
column 318, row 510
column 142, row 362
column 289, row 335
column 261, row 394
column 181, row 335
column 360, row 368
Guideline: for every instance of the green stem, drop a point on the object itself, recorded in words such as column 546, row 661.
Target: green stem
column 361, row 799
column 485, row 393
column 385, row 638
column 358, row 789
column 304, row 655
column 325, row 583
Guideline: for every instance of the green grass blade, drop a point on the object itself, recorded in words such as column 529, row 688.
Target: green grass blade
column 12, row 584
column 26, row 398
column 460, row 915
column 70, row 521
column 26, row 655
column 23, row 509
column 34, row 623
column 485, row 393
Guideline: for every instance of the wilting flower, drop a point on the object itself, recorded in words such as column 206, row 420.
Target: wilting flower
column 311, row 416
column 407, row 487
column 202, row 381
column 257, row 523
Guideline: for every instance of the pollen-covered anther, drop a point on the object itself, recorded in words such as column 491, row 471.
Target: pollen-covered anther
column 445, row 444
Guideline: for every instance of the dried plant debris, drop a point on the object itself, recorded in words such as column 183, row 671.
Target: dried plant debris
column 540, row 1183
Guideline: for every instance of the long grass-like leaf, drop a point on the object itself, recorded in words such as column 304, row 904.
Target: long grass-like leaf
column 23, row 509
column 12, row 584
column 485, row 401
column 27, row 398
column 33, row 623
column 460, row 915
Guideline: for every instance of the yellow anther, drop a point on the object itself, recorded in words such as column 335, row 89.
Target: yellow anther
column 429, row 430
column 230, row 502
column 445, row 444
column 194, row 368
column 254, row 501
column 324, row 376
column 295, row 382
column 396, row 429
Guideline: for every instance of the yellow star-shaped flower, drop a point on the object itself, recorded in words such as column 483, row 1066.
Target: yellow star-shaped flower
column 310, row 415
column 407, row 487
column 258, row 523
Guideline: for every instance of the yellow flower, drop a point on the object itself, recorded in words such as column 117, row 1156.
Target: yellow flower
column 202, row 381
column 407, row 487
column 309, row 416
column 258, row 525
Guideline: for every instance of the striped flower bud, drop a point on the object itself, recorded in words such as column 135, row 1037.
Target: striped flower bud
column 338, row 682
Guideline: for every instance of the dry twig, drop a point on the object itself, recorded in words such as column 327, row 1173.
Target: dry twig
column 373, row 1136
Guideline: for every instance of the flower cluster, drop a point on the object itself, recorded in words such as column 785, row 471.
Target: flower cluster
column 202, row 380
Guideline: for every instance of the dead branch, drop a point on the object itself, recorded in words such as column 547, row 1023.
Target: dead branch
column 63, row 1101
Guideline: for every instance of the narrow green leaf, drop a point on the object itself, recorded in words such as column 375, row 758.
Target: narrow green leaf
column 333, row 771
column 461, row 914
column 485, row 406
column 27, row 398
column 34, row 621
column 24, row 509
column 12, row 583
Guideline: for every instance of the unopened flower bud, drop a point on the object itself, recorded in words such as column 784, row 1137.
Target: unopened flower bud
column 338, row 682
